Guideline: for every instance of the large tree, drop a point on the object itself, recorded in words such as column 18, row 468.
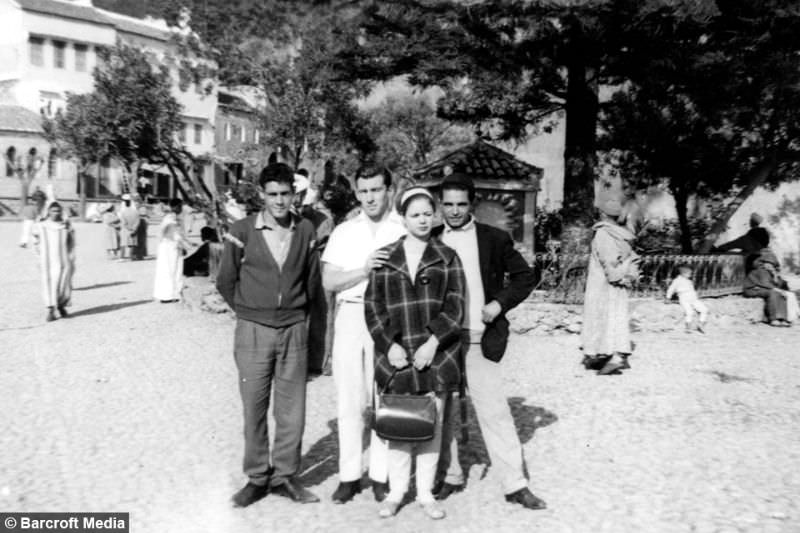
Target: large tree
column 131, row 117
column 712, row 105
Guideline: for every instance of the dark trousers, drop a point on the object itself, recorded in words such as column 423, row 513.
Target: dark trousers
column 270, row 358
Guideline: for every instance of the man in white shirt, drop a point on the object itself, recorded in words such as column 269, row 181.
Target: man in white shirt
column 351, row 253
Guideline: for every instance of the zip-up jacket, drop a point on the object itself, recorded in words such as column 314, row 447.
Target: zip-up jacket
column 253, row 284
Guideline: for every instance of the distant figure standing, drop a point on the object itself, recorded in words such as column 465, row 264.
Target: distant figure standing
column 750, row 244
column 55, row 244
column 111, row 222
column 187, row 219
column 129, row 224
column 683, row 286
column 169, row 257
column 605, row 336
column 140, row 250
column 29, row 214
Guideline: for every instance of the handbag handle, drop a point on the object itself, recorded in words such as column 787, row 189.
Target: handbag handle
column 394, row 372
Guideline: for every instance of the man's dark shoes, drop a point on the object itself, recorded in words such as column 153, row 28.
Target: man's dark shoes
column 62, row 311
column 380, row 490
column 446, row 490
column 249, row 494
column 292, row 490
column 525, row 498
column 346, row 491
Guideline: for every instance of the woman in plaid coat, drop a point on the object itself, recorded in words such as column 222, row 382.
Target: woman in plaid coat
column 414, row 306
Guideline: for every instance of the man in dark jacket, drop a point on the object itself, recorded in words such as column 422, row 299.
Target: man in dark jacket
column 487, row 255
column 266, row 276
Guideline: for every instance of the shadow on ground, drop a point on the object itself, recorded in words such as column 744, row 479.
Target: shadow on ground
column 101, row 285
column 527, row 419
column 322, row 459
column 108, row 308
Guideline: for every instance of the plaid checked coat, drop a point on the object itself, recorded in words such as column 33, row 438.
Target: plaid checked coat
column 408, row 312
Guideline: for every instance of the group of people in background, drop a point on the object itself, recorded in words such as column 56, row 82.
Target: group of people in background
column 419, row 310
column 126, row 230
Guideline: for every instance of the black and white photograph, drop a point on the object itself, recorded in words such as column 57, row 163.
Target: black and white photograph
column 400, row 266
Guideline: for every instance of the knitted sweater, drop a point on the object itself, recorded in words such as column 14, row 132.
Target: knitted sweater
column 253, row 284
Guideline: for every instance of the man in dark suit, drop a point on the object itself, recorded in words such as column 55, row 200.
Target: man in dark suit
column 487, row 255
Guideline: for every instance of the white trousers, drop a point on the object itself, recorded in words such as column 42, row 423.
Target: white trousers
column 485, row 383
column 427, row 454
column 689, row 308
column 27, row 228
column 353, row 366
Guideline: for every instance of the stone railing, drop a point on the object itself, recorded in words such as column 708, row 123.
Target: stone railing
column 561, row 278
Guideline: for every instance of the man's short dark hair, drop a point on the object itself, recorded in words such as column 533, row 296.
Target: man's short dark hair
column 279, row 172
column 458, row 181
column 372, row 171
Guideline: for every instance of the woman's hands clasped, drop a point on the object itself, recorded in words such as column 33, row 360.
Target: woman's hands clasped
column 423, row 357
column 397, row 356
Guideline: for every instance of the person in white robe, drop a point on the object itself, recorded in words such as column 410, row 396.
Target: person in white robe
column 169, row 257
column 55, row 243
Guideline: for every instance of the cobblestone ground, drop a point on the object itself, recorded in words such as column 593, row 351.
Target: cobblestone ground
column 131, row 405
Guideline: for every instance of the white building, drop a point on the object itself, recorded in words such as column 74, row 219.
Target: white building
column 48, row 49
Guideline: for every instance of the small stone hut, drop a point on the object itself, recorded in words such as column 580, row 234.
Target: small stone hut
column 505, row 186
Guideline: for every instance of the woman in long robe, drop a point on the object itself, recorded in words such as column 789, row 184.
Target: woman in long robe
column 169, row 257
column 605, row 334
column 55, row 244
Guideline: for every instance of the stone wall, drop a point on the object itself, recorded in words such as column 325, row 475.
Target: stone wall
column 199, row 294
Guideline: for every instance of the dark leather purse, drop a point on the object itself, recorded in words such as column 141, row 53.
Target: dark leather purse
column 404, row 417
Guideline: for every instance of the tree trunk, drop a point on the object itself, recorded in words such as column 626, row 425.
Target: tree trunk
column 82, row 193
column 24, row 187
column 681, row 196
column 580, row 140
column 756, row 178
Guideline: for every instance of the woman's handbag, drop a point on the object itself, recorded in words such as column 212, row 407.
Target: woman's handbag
column 404, row 417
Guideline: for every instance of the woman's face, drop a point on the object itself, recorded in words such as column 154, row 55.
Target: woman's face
column 418, row 218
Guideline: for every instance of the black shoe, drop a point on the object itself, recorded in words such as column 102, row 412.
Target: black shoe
column 525, row 498
column 62, row 311
column 613, row 366
column 380, row 490
column 446, row 490
column 292, row 490
column 250, row 494
column 595, row 362
column 346, row 491
column 51, row 315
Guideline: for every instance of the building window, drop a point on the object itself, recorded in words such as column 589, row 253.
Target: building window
column 244, row 134
column 256, row 136
column 36, row 47
column 11, row 161
column 198, row 134
column 80, row 57
column 59, row 48
column 182, row 132
column 236, row 131
column 227, row 131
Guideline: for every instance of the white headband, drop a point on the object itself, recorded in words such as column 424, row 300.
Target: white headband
column 414, row 191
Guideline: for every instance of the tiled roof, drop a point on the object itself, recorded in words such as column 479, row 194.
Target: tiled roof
column 19, row 119
column 482, row 161
column 91, row 14
column 126, row 25
column 65, row 9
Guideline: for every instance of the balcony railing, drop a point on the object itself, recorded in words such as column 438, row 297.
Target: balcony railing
column 561, row 278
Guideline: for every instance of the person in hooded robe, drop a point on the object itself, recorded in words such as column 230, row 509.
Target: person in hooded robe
column 55, row 244
column 613, row 267
column 750, row 244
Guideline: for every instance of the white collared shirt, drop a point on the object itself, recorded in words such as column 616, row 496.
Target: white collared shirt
column 464, row 241
column 353, row 241
column 278, row 239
